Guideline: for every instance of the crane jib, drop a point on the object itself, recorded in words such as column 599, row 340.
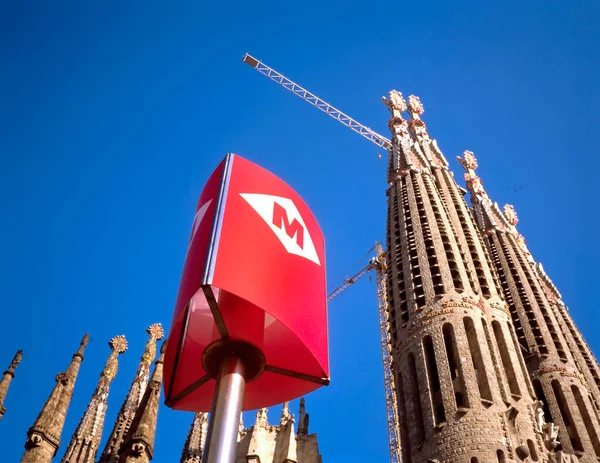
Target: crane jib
column 317, row 102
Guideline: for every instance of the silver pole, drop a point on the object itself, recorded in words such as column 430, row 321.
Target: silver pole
column 224, row 420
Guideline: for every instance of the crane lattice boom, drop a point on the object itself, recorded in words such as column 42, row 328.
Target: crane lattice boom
column 378, row 263
column 317, row 102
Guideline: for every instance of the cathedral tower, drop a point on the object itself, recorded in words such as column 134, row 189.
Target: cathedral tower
column 563, row 379
column 463, row 391
column 133, row 398
column 7, row 379
column 86, row 438
column 43, row 438
column 138, row 445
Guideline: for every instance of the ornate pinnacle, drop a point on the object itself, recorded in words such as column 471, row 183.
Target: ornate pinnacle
column 118, row 345
column 395, row 102
column 156, row 331
column 468, row 161
column 474, row 183
column 286, row 417
column 415, row 107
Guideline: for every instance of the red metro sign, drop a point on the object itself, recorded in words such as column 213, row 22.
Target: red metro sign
column 254, row 279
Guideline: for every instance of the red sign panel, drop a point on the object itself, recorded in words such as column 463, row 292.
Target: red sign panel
column 254, row 273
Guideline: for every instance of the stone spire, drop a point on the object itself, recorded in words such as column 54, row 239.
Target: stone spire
column 196, row 439
column 138, row 446
column 86, row 439
column 43, row 438
column 303, row 421
column 7, row 378
column 133, row 398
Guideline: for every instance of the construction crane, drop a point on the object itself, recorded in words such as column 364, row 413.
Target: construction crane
column 377, row 263
column 317, row 102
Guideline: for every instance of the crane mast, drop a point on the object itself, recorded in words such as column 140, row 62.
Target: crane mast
column 378, row 264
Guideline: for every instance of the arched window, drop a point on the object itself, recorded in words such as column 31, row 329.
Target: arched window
column 434, row 381
column 455, row 366
column 404, row 434
column 501, row 457
column 414, row 400
column 565, row 412
column 506, row 360
column 587, row 419
column 478, row 363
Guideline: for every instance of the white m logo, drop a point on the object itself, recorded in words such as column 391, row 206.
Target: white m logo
column 282, row 216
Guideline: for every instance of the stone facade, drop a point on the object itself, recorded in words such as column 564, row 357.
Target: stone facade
column 262, row 442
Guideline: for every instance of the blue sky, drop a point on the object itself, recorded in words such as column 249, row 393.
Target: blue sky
column 115, row 113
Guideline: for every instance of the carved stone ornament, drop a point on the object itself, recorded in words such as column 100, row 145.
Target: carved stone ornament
column 118, row 344
column 420, row 129
column 468, row 160
column 138, row 448
column 522, row 244
column 156, row 331
column 550, row 432
column 395, row 101
column 510, row 214
column 62, row 378
column 415, row 106
column 398, row 127
column 538, row 407
column 35, row 440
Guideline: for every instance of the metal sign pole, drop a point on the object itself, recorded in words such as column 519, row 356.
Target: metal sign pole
column 224, row 420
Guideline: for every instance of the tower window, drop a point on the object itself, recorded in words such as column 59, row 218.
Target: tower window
column 565, row 412
column 478, row 363
column 404, row 435
column 456, row 370
column 414, row 399
column 587, row 419
column 506, row 361
column 434, row 381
